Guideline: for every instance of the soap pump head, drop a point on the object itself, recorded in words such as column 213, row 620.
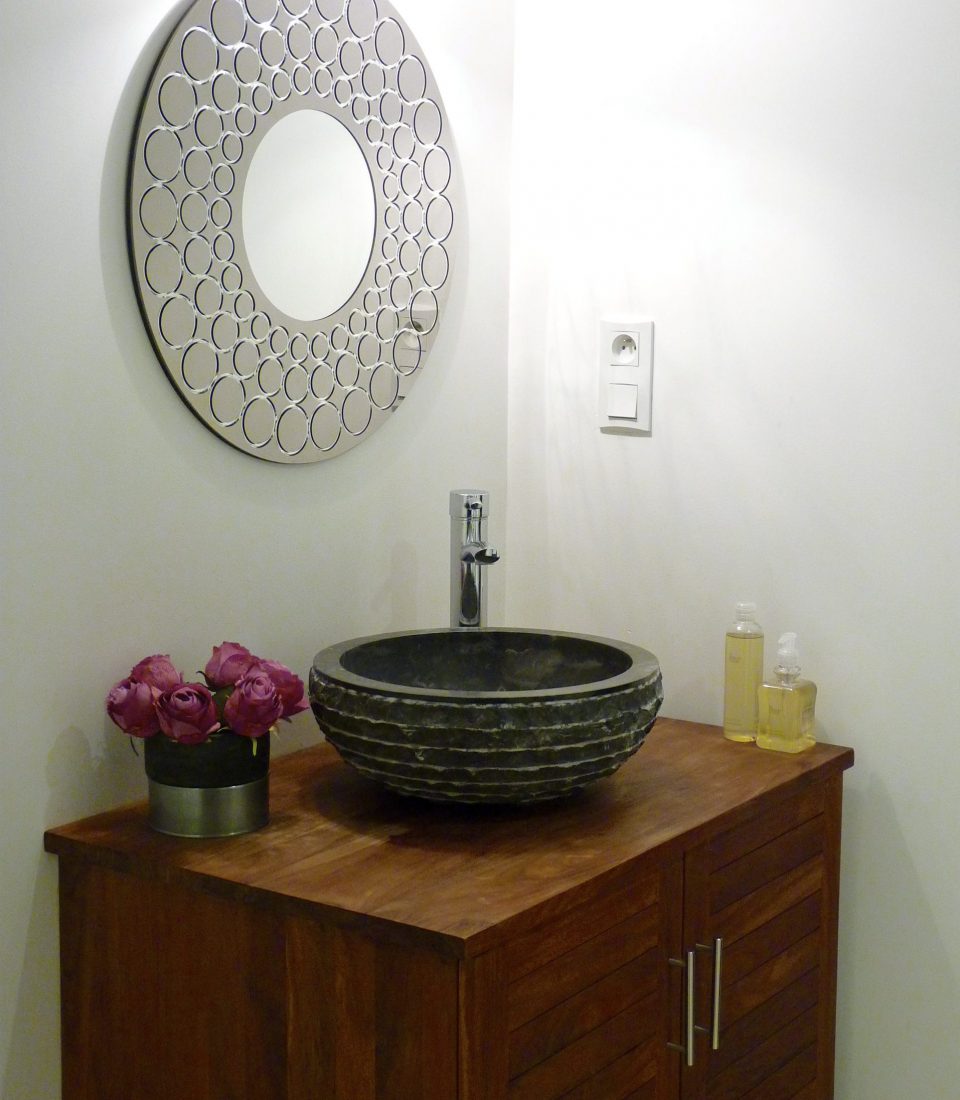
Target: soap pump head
column 788, row 655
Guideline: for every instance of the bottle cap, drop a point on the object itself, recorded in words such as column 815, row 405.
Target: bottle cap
column 788, row 652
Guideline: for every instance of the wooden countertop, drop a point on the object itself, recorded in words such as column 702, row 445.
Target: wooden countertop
column 341, row 849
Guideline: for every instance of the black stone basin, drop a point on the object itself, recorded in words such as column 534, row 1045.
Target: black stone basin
column 495, row 715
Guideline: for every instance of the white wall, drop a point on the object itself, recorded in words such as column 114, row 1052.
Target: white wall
column 128, row 527
column 778, row 186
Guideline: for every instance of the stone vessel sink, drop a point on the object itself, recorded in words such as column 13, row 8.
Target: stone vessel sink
column 493, row 715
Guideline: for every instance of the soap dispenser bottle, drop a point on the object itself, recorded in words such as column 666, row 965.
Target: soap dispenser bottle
column 786, row 703
column 743, row 674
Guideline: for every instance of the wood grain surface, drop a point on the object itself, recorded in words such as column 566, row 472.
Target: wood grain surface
column 368, row 947
column 459, row 879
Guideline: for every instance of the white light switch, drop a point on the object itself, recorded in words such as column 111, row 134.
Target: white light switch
column 622, row 401
column 625, row 372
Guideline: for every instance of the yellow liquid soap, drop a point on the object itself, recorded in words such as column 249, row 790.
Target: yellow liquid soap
column 786, row 715
column 743, row 674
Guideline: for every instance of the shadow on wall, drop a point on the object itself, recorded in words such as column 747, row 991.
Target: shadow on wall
column 33, row 1064
column 120, row 295
column 898, row 958
column 76, row 780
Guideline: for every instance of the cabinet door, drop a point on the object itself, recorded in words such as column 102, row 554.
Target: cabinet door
column 767, row 890
column 577, row 1006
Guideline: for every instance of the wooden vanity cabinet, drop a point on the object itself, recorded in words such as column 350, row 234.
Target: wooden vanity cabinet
column 767, row 890
column 596, row 1004
column 367, row 947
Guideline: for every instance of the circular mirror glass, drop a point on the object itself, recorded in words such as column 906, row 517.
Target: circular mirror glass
column 309, row 214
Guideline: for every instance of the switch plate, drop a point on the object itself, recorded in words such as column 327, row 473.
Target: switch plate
column 625, row 375
column 622, row 401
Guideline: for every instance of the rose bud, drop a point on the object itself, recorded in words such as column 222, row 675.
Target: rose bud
column 254, row 705
column 228, row 663
column 130, row 705
column 158, row 672
column 289, row 687
column 188, row 714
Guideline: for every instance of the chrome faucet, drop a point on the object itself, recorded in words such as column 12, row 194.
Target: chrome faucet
column 468, row 554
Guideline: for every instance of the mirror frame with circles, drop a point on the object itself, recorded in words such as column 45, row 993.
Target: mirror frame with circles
column 275, row 387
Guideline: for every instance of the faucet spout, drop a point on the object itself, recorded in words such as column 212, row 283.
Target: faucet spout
column 469, row 554
column 484, row 555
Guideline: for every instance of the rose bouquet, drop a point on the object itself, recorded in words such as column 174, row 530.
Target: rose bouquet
column 241, row 693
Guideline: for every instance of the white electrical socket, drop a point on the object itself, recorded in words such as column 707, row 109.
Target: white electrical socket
column 625, row 374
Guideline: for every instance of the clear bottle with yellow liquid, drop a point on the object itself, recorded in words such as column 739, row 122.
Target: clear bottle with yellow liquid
column 743, row 675
column 786, row 704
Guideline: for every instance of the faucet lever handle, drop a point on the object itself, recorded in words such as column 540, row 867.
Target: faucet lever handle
column 468, row 504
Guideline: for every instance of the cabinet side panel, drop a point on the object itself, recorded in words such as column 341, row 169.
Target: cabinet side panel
column 483, row 1028
column 417, row 1003
column 369, row 1020
column 330, row 999
column 826, row 1038
column 168, row 992
column 92, row 965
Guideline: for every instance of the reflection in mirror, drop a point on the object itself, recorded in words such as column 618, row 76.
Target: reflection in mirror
column 309, row 215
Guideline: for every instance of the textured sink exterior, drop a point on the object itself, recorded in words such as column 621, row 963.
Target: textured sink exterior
column 495, row 715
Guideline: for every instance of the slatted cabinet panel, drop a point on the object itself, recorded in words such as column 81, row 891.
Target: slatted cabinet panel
column 768, row 890
column 585, row 995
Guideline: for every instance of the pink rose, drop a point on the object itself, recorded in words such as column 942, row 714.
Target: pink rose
column 130, row 705
column 158, row 672
column 254, row 705
column 228, row 663
column 289, row 687
column 188, row 713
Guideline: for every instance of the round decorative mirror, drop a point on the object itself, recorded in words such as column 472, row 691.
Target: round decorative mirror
column 291, row 219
